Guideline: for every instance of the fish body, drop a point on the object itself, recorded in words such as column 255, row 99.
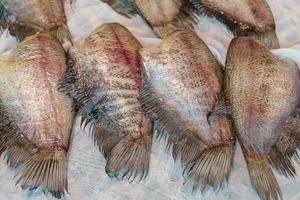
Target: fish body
column 164, row 16
column 263, row 91
column 182, row 95
column 37, row 15
column 105, row 80
column 251, row 18
column 36, row 119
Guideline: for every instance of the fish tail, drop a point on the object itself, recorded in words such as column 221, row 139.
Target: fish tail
column 263, row 179
column 268, row 38
column 46, row 169
column 212, row 167
column 130, row 158
column 63, row 35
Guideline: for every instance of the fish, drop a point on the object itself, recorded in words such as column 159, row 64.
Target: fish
column 24, row 18
column 104, row 78
column 35, row 118
column 163, row 16
column 262, row 94
column 182, row 95
column 252, row 18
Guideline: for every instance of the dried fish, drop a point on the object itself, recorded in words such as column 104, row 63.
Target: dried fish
column 35, row 118
column 263, row 94
column 164, row 16
column 105, row 80
column 24, row 18
column 251, row 18
column 182, row 94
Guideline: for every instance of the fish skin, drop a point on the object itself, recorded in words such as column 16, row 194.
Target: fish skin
column 164, row 16
column 182, row 94
column 36, row 119
column 262, row 92
column 37, row 15
column 107, row 80
column 251, row 18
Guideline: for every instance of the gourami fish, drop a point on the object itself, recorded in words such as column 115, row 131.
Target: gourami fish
column 104, row 78
column 35, row 118
column 164, row 16
column 182, row 94
column 25, row 17
column 263, row 93
column 251, row 18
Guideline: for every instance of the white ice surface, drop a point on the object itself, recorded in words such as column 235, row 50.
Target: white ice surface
column 87, row 179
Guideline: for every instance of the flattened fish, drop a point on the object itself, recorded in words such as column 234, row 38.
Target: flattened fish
column 182, row 94
column 25, row 17
column 35, row 118
column 251, row 18
column 263, row 94
column 104, row 78
column 164, row 16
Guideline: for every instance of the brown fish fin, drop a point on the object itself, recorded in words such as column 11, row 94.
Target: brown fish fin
column 283, row 153
column 185, row 19
column 263, row 179
column 125, row 8
column 268, row 38
column 16, row 29
column 18, row 148
column 179, row 141
column 283, row 163
column 130, row 158
column 212, row 167
column 104, row 138
column 63, row 35
column 46, row 169
column 78, row 92
column 19, row 152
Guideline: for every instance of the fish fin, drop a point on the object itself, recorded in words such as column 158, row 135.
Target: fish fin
column 268, row 38
column 4, row 16
column 18, row 153
column 16, row 29
column 69, row 85
column 283, row 153
column 185, row 19
column 46, row 169
column 263, row 179
column 18, row 148
column 212, row 167
column 125, row 8
column 63, row 35
column 180, row 141
column 105, row 139
column 130, row 158
column 281, row 162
